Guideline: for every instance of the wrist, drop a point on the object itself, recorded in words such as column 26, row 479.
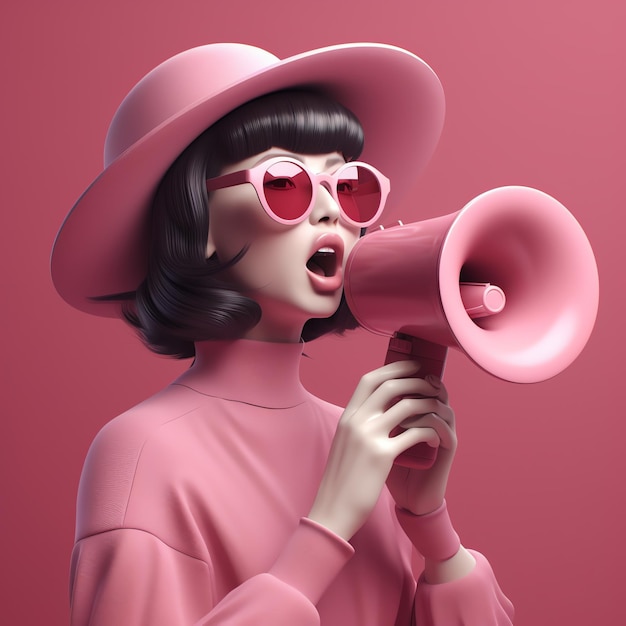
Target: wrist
column 432, row 534
column 335, row 519
column 461, row 564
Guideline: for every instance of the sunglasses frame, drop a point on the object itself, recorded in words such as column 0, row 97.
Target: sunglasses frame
column 256, row 174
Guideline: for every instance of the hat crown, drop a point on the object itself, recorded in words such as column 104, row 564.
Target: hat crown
column 177, row 84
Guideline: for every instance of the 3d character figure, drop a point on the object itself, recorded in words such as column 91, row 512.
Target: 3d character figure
column 235, row 187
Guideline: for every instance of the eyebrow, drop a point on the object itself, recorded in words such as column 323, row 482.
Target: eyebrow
column 335, row 160
column 330, row 162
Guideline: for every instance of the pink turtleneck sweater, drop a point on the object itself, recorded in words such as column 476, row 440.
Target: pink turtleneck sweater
column 192, row 505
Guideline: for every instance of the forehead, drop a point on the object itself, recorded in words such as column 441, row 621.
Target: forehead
column 315, row 162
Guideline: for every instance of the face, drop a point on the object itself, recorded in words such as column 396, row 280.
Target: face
column 293, row 271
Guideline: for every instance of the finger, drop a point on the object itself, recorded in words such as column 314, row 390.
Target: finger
column 394, row 390
column 423, row 406
column 406, row 439
column 407, row 412
column 371, row 381
column 445, row 433
column 437, row 383
column 412, row 413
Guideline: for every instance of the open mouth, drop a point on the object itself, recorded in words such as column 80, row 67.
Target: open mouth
column 325, row 265
column 323, row 262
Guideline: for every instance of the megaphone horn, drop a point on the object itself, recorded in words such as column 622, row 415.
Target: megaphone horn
column 510, row 280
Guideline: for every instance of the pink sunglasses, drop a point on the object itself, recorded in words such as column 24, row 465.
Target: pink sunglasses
column 287, row 189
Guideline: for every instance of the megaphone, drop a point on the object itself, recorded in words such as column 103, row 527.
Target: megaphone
column 510, row 280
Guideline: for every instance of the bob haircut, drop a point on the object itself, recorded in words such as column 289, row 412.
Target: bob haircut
column 182, row 299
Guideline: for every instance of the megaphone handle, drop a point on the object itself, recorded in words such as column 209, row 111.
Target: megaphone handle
column 432, row 357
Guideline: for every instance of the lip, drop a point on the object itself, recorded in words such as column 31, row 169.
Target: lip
column 327, row 284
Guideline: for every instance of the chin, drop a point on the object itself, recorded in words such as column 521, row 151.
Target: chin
column 327, row 307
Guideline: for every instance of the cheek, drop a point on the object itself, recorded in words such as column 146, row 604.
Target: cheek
column 236, row 220
column 350, row 238
column 269, row 265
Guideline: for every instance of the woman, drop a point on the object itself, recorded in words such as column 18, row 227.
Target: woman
column 234, row 496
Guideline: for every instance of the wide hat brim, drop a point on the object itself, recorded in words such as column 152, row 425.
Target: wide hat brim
column 102, row 246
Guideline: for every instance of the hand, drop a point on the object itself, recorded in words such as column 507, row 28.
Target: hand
column 362, row 452
column 421, row 491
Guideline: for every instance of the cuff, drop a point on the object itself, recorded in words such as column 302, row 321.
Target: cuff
column 473, row 599
column 431, row 534
column 312, row 559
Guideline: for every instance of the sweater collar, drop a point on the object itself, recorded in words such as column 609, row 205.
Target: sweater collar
column 260, row 373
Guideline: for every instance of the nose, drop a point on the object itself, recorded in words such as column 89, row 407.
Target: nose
column 325, row 208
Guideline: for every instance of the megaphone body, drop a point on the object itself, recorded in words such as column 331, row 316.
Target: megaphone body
column 510, row 280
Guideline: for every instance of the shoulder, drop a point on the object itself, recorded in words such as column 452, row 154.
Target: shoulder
column 112, row 462
column 126, row 435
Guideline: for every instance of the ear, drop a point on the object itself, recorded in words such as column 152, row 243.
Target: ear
column 210, row 246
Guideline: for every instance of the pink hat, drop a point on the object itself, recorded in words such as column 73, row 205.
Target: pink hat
column 101, row 248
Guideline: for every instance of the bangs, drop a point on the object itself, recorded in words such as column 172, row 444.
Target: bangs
column 298, row 121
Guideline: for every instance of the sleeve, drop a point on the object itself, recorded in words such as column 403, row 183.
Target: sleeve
column 130, row 577
column 472, row 600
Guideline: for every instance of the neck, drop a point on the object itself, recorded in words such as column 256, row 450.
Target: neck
column 262, row 373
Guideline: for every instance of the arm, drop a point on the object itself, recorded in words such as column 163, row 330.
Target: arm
column 128, row 576
column 457, row 586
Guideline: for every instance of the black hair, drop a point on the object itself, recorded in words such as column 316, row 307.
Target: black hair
column 182, row 299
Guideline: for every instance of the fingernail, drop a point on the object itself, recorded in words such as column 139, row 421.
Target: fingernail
column 411, row 364
column 433, row 380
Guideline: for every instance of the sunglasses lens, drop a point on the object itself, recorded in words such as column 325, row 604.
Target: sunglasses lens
column 359, row 193
column 288, row 190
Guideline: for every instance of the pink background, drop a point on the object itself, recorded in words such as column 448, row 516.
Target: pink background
column 536, row 96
